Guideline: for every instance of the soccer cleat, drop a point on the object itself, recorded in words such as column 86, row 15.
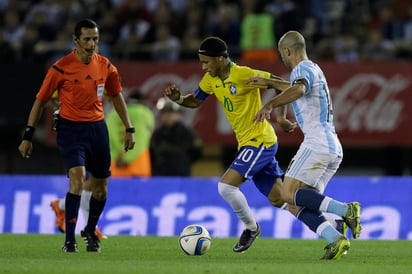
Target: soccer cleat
column 91, row 240
column 341, row 227
column 335, row 250
column 70, row 247
column 100, row 234
column 60, row 216
column 246, row 239
column 352, row 219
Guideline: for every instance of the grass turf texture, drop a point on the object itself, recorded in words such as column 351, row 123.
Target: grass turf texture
column 34, row 253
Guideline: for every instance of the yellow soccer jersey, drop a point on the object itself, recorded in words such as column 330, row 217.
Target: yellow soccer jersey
column 241, row 102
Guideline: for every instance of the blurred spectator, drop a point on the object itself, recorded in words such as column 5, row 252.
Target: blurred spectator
column 132, row 9
column 257, row 35
column 174, row 147
column 227, row 27
column 28, row 51
column 109, row 29
column 346, row 48
column 131, row 36
column 288, row 15
column 130, row 27
column 7, row 53
column 13, row 30
column 163, row 15
column 375, row 48
column 193, row 33
column 405, row 44
column 166, row 47
column 50, row 10
column 190, row 43
column 135, row 162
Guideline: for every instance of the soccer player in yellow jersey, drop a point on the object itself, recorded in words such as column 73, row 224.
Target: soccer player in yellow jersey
column 257, row 142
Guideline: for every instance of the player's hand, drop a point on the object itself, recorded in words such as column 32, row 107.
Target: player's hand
column 287, row 125
column 258, row 81
column 172, row 92
column 129, row 141
column 26, row 148
column 263, row 113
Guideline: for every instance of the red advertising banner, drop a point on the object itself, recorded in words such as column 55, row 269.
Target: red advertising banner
column 372, row 102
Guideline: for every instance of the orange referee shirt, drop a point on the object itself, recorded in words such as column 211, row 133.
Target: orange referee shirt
column 80, row 86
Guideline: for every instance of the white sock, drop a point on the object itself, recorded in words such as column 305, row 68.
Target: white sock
column 331, row 220
column 239, row 204
column 85, row 204
column 62, row 204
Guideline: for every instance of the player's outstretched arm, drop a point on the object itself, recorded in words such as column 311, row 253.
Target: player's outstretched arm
column 275, row 83
column 188, row 100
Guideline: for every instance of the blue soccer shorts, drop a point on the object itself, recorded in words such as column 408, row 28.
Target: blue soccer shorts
column 259, row 164
column 85, row 144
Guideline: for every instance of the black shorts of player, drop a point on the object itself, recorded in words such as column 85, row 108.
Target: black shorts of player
column 85, row 144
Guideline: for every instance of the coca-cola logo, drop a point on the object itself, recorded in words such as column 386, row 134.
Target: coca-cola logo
column 369, row 102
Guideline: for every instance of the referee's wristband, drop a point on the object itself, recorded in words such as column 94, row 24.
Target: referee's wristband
column 28, row 133
column 130, row 130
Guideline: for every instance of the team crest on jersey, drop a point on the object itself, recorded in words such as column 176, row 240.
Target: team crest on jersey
column 233, row 89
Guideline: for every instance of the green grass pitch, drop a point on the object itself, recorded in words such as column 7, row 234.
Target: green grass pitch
column 33, row 253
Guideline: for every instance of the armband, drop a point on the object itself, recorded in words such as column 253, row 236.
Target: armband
column 28, row 133
column 130, row 130
column 180, row 100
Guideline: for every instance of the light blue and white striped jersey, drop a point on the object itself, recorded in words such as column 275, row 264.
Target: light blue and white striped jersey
column 313, row 111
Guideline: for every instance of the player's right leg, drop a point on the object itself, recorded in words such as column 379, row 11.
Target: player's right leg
column 85, row 208
column 336, row 249
column 301, row 173
column 251, row 163
column 352, row 219
column 76, row 179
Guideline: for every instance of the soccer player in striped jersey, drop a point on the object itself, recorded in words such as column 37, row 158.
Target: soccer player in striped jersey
column 257, row 142
column 320, row 153
column 82, row 136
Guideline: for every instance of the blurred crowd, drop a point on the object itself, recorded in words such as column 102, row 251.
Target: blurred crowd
column 171, row 30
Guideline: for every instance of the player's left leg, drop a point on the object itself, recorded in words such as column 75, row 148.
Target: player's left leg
column 228, row 188
column 85, row 209
column 96, row 206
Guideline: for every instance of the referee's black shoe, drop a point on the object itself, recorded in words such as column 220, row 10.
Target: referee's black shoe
column 91, row 240
column 70, row 247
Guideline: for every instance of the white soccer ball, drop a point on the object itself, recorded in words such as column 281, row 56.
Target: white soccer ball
column 195, row 240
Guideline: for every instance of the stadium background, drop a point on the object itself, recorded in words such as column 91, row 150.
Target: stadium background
column 372, row 91
column 364, row 47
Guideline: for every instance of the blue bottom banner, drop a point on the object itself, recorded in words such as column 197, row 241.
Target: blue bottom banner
column 163, row 206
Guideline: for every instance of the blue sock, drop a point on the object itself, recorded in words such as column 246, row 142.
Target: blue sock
column 72, row 211
column 330, row 234
column 337, row 208
column 313, row 219
column 96, row 209
column 317, row 222
column 308, row 198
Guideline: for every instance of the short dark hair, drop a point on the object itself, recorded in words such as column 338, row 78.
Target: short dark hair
column 85, row 23
column 213, row 46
